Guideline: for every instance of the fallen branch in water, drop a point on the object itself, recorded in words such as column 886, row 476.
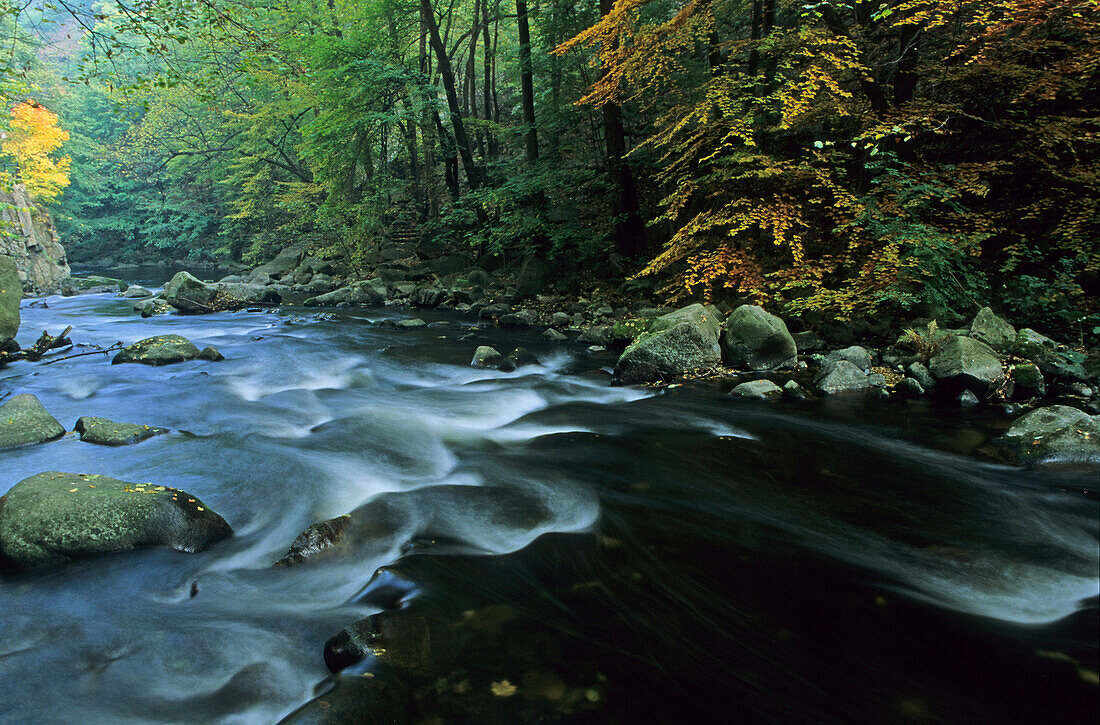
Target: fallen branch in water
column 47, row 342
column 102, row 351
column 44, row 344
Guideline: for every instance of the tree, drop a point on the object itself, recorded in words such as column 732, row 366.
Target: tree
column 32, row 137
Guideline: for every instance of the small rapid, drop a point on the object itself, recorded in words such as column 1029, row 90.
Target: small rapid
column 721, row 505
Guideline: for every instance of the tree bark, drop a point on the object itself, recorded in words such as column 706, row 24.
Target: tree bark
column 527, row 84
column 475, row 175
column 629, row 230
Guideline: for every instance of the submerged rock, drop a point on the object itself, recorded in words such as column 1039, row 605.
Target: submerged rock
column 109, row 433
column 23, row 420
column 757, row 339
column 759, row 389
column 55, row 517
column 1054, row 434
column 159, row 350
column 486, row 357
column 135, row 291
column 211, row 354
column 409, row 323
column 518, row 358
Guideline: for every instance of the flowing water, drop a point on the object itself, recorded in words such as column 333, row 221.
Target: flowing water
column 683, row 554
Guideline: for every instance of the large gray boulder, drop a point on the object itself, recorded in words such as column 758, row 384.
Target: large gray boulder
column 188, row 293
column 239, row 294
column 670, row 352
column 1055, row 434
column 704, row 317
column 106, row 432
column 284, row 263
column 992, row 330
column 55, row 517
column 359, row 293
column 11, row 292
column 159, row 350
column 964, row 362
column 844, row 376
column 757, row 339
column 23, row 420
column 855, row 354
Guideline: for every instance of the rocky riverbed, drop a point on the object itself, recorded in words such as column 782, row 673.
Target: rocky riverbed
column 411, row 537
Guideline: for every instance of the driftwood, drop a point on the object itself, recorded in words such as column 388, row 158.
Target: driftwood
column 44, row 344
column 102, row 351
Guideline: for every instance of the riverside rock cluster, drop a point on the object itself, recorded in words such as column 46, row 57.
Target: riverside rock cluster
column 55, row 517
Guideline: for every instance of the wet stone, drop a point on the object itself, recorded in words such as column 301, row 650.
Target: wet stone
column 109, row 433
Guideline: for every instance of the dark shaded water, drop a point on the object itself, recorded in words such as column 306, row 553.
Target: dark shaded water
column 674, row 554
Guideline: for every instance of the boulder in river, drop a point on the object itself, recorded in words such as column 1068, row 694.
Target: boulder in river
column 188, row 293
column 757, row 339
column 159, row 350
column 359, row 293
column 11, row 292
column 518, row 358
column 134, row 292
column 676, row 343
column 55, row 517
column 23, row 420
column 964, row 362
column 844, row 376
column 109, row 433
column 1054, row 434
column 486, row 357
column 759, row 389
column 154, row 307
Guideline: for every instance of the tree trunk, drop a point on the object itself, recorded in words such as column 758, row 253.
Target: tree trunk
column 629, row 229
column 527, row 84
column 488, row 90
column 475, row 176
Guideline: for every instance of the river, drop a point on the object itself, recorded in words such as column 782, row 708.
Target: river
column 659, row 553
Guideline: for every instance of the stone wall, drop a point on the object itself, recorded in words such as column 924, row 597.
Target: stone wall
column 28, row 237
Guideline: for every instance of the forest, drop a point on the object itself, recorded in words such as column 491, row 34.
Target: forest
column 542, row 361
column 831, row 159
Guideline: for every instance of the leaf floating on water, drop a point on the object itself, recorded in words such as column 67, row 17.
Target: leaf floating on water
column 504, row 688
column 1088, row 676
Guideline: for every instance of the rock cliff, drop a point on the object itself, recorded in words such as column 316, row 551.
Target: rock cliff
column 28, row 237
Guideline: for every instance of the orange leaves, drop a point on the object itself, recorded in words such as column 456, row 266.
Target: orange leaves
column 32, row 136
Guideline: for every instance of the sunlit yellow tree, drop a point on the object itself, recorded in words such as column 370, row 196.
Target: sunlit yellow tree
column 32, row 136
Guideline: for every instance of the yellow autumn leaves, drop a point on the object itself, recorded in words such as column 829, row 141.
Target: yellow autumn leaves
column 30, row 140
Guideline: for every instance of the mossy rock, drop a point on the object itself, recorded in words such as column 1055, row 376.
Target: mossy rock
column 23, row 420
column 106, row 432
column 56, row 517
column 159, row 350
